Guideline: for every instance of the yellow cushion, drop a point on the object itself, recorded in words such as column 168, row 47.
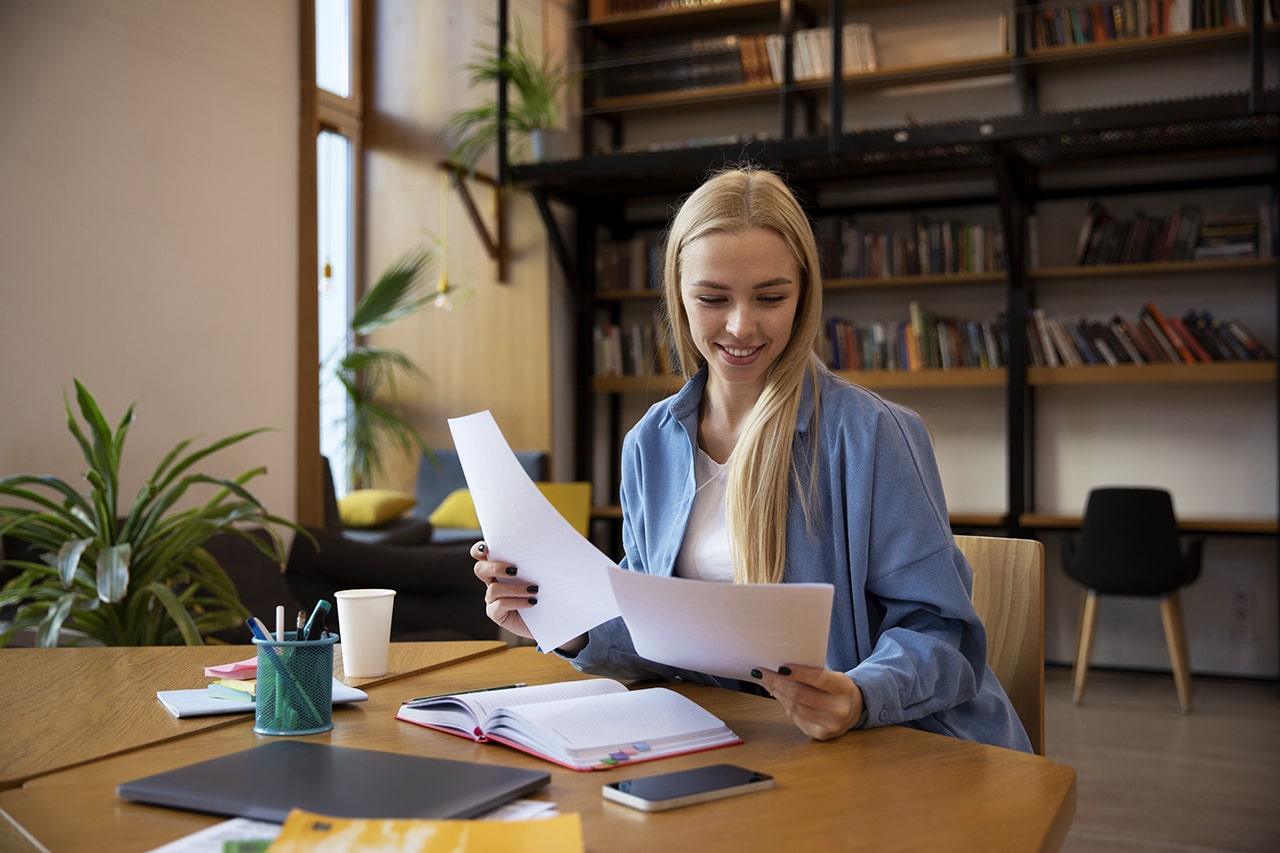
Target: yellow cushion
column 372, row 507
column 572, row 500
column 456, row 510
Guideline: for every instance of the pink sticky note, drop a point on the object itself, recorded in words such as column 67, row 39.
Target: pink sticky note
column 244, row 669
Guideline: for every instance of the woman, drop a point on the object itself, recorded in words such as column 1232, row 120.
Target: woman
column 766, row 467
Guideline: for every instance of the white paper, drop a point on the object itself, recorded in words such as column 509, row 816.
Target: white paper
column 198, row 703
column 522, row 528
column 723, row 629
column 212, row 839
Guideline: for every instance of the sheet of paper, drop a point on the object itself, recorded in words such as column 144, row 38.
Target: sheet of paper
column 724, row 629
column 522, row 528
column 718, row 628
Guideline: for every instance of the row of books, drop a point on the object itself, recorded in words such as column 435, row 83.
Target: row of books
column 929, row 341
column 632, row 349
column 1154, row 338
column 923, row 342
column 732, row 60
column 1185, row 235
column 634, row 264
column 937, row 247
column 1090, row 23
column 626, row 7
column 811, row 52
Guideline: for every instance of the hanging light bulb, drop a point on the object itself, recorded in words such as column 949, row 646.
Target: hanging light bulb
column 444, row 299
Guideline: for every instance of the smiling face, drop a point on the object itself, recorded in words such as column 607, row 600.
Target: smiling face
column 740, row 292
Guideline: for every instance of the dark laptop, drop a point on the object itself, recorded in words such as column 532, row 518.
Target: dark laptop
column 267, row 781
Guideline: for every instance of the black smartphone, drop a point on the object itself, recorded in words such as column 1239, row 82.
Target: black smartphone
column 685, row 787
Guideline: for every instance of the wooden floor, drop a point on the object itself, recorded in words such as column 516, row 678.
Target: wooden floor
column 1151, row 778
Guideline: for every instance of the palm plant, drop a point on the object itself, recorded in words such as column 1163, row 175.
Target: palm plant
column 368, row 373
column 141, row 578
column 535, row 84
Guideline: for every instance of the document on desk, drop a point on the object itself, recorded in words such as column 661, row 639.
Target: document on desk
column 717, row 628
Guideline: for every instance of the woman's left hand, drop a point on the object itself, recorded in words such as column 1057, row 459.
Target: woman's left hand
column 824, row 704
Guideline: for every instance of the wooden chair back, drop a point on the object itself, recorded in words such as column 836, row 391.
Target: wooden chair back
column 1008, row 593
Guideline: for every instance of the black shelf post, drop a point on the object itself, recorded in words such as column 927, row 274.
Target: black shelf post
column 1012, row 191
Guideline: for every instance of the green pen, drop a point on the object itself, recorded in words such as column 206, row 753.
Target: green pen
column 464, row 692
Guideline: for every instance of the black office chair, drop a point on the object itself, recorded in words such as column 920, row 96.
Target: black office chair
column 1129, row 546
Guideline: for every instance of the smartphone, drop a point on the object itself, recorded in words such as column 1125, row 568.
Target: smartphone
column 685, row 787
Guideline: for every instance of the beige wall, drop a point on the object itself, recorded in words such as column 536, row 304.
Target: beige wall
column 148, row 228
column 492, row 350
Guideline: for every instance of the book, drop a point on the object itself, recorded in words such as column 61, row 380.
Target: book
column 306, row 832
column 199, row 702
column 592, row 724
column 1170, row 333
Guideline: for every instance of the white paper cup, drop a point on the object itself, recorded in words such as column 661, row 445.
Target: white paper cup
column 364, row 630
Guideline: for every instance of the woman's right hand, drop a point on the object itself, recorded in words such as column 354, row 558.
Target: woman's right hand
column 506, row 595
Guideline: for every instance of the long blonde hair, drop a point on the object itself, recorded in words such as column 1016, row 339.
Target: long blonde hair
column 735, row 201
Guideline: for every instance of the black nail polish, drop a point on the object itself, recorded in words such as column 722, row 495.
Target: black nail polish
column 533, row 588
column 784, row 670
column 533, row 601
column 511, row 570
column 481, row 547
column 755, row 673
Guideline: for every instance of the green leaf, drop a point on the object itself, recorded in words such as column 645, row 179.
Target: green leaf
column 51, row 625
column 177, row 612
column 396, row 294
column 113, row 572
column 69, row 560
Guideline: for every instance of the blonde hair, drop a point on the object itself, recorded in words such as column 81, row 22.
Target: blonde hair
column 735, row 201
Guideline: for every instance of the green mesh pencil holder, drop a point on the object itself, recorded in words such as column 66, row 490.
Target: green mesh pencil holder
column 294, row 695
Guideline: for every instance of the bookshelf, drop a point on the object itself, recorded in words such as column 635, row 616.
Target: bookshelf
column 1040, row 146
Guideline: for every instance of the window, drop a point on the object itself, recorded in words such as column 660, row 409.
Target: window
column 338, row 146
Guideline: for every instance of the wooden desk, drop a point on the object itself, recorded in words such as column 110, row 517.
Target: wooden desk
column 883, row 789
column 63, row 707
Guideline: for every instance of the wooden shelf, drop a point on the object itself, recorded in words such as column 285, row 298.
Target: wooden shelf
column 1244, row 526
column 1146, row 269
column 678, row 97
column 650, row 22
column 874, row 379
column 958, row 519
column 1147, row 374
column 1172, row 42
column 963, row 377
column 947, row 280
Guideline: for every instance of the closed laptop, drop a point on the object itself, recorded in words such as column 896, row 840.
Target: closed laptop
column 266, row 782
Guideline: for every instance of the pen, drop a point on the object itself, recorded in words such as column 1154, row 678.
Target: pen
column 258, row 629
column 279, row 623
column 302, row 620
column 465, row 692
column 317, row 618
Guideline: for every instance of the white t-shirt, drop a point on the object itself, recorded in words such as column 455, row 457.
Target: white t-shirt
column 704, row 554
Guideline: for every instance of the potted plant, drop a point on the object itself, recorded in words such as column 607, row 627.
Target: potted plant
column 535, row 85
column 133, row 578
column 368, row 373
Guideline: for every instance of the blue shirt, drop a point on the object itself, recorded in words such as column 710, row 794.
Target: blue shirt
column 903, row 625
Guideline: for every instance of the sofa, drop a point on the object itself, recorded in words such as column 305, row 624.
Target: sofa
column 437, row 482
